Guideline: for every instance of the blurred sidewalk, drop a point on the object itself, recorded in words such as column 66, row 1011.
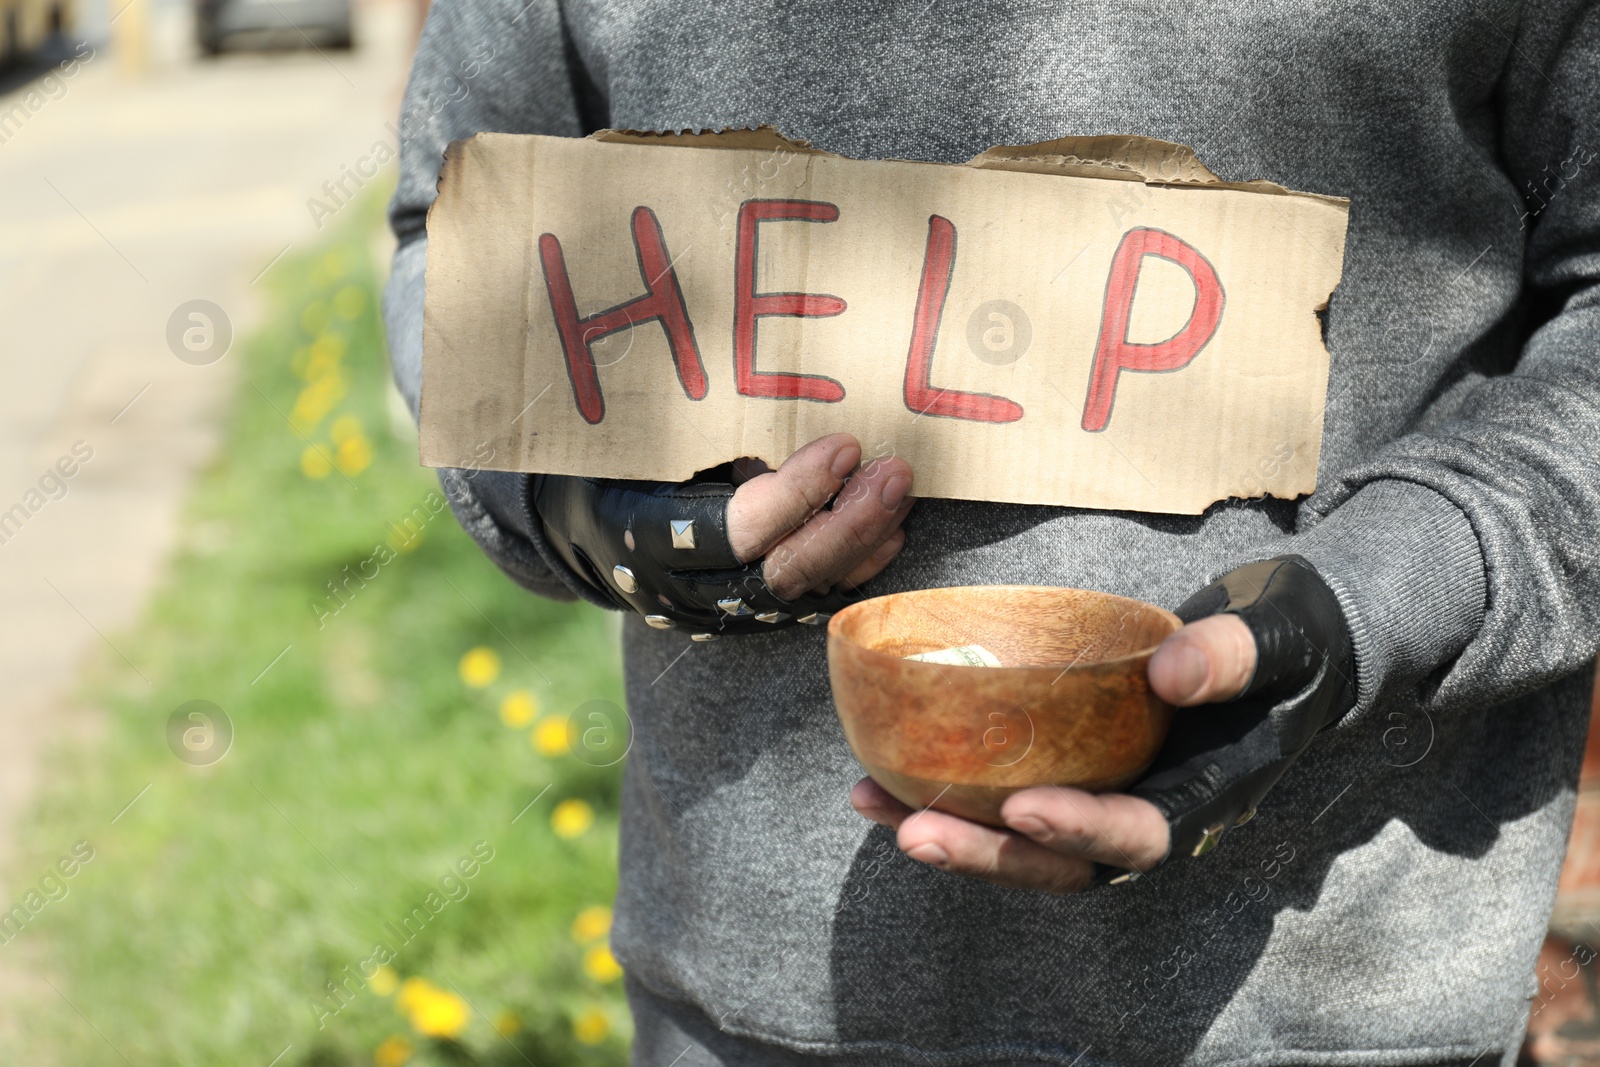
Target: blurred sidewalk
column 123, row 197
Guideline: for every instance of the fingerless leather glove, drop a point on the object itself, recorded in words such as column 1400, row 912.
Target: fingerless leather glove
column 1219, row 760
column 662, row 550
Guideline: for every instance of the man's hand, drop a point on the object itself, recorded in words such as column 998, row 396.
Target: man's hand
column 785, row 546
column 782, row 518
column 1057, row 835
column 1267, row 647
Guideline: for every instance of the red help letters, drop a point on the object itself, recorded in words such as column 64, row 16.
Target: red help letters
column 662, row 301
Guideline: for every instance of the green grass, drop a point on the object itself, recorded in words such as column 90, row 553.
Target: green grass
column 219, row 904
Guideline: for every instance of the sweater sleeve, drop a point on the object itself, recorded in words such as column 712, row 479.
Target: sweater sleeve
column 481, row 65
column 1466, row 555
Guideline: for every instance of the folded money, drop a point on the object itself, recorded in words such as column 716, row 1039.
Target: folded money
column 961, row 656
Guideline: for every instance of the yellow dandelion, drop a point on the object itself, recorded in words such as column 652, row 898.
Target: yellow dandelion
column 439, row 1013
column 550, row 736
column 326, row 350
column 336, row 262
column 320, row 360
column 480, row 667
column 506, row 1023
column 592, row 923
column 383, row 982
column 354, row 455
column 392, row 1052
column 591, row 1027
column 316, row 400
column 350, row 301
column 314, row 463
column 601, row 965
column 344, row 428
column 571, row 818
column 314, row 317
column 519, row 708
column 412, row 991
column 434, row 1012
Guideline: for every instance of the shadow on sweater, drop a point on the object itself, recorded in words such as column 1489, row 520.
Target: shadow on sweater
column 911, row 943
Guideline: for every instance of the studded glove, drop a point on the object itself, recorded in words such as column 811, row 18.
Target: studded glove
column 1219, row 761
column 662, row 550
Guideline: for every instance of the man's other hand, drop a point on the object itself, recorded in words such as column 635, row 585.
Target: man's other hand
column 1057, row 835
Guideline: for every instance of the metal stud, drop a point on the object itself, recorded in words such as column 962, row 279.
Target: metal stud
column 682, row 532
column 1245, row 817
column 624, row 579
column 659, row 622
column 771, row 616
column 1209, row 839
column 702, row 637
column 733, row 606
column 816, row 618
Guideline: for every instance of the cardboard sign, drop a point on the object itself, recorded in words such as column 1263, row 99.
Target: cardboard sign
column 1096, row 322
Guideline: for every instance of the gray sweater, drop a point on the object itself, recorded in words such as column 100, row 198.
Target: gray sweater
column 1387, row 904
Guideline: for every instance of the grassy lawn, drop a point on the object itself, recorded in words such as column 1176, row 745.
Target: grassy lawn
column 399, row 812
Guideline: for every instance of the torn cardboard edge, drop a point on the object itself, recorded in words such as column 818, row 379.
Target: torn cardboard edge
column 1119, row 157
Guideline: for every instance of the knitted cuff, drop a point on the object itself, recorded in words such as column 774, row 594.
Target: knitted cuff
column 1409, row 574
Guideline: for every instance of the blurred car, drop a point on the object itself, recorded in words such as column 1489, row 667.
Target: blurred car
column 26, row 25
column 273, row 23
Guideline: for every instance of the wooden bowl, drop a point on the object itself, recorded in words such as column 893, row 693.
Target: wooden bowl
column 1070, row 705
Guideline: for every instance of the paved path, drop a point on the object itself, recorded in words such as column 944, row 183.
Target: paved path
column 121, row 198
